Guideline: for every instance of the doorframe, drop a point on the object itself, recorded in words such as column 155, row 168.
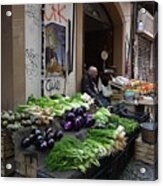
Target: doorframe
column 118, row 19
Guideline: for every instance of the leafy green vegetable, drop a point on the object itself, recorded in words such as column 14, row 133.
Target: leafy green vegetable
column 71, row 154
column 102, row 116
column 129, row 124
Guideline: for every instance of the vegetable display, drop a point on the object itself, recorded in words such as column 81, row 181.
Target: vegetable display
column 77, row 119
column 105, row 134
column 129, row 124
column 42, row 140
column 102, row 116
column 71, row 154
column 14, row 120
column 45, row 108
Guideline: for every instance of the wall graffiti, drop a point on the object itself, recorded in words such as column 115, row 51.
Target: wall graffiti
column 34, row 14
column 32, row 63
column 56, row 13
column 57, row 37
column 52, row 84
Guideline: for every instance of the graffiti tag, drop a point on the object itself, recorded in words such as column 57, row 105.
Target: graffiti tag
column 34, row 14
column 52, row 84
column 32, row 61
column 56, row 13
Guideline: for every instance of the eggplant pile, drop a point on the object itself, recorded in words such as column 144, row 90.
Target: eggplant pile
column 78, row 118
column 42, row 140
column 15, row 120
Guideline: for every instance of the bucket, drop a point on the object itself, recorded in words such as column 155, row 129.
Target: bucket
column 149, row 132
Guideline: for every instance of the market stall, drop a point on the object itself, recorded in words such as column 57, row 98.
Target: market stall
column 66, row 137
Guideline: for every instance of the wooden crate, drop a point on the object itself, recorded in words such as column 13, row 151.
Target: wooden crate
column 7, row 146
column 7, row 154
column 26, row 164
column 7, row 172
column 145, row 152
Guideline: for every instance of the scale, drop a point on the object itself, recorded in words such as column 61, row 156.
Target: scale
column 104, row 57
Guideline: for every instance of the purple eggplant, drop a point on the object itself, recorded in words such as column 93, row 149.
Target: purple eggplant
column 50, row 135
column 59, row 134
column 38, row 141
column 32, row 137
column 50, row 143
column 68, row 125
column 26, row 142
column 48, row 130
column 78, row 123
column 89, row 122
column 84, row 109
column 70, row 116
column 87, row 115
column 39, row 137
column 73, row 110
column 43, row 146
column 79, row 111
column 36, row 132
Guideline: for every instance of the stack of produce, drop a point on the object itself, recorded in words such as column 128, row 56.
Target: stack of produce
column 45, row 108
column 42, row 140
column 141, row 87
column 14, row 120
column 71, row 154
column 77, row 119
column 102, row 115
column 129, row 125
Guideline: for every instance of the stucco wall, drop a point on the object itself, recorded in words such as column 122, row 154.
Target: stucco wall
column 33, row 49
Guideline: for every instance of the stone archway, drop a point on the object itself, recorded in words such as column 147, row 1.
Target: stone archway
column 115, row 12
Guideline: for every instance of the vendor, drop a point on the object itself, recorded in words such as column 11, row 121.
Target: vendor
column 104, row 85
column 90, row 87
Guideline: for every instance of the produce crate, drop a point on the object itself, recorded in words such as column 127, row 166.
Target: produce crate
column 117, row 163
column 117, row 96
column 5, row 171
column 146, row 152
column 26, row 164
column 7, row 145
column 7, row 154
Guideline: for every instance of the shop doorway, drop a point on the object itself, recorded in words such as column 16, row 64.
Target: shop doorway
column 98, row 36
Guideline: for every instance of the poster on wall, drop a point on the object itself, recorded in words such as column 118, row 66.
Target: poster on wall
column 57, row 47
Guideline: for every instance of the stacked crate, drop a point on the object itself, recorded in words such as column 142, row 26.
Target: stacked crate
column 7, row 154
column 146, row 152
column 26, row 164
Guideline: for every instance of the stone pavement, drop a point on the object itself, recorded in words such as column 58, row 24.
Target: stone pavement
column 137, row 170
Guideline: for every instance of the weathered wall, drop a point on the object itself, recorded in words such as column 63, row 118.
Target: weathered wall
column 126, row 8
column 33, row 49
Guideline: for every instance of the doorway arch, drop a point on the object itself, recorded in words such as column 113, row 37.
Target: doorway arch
column 98, row 36
column 116, row 13
column 118, row 20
